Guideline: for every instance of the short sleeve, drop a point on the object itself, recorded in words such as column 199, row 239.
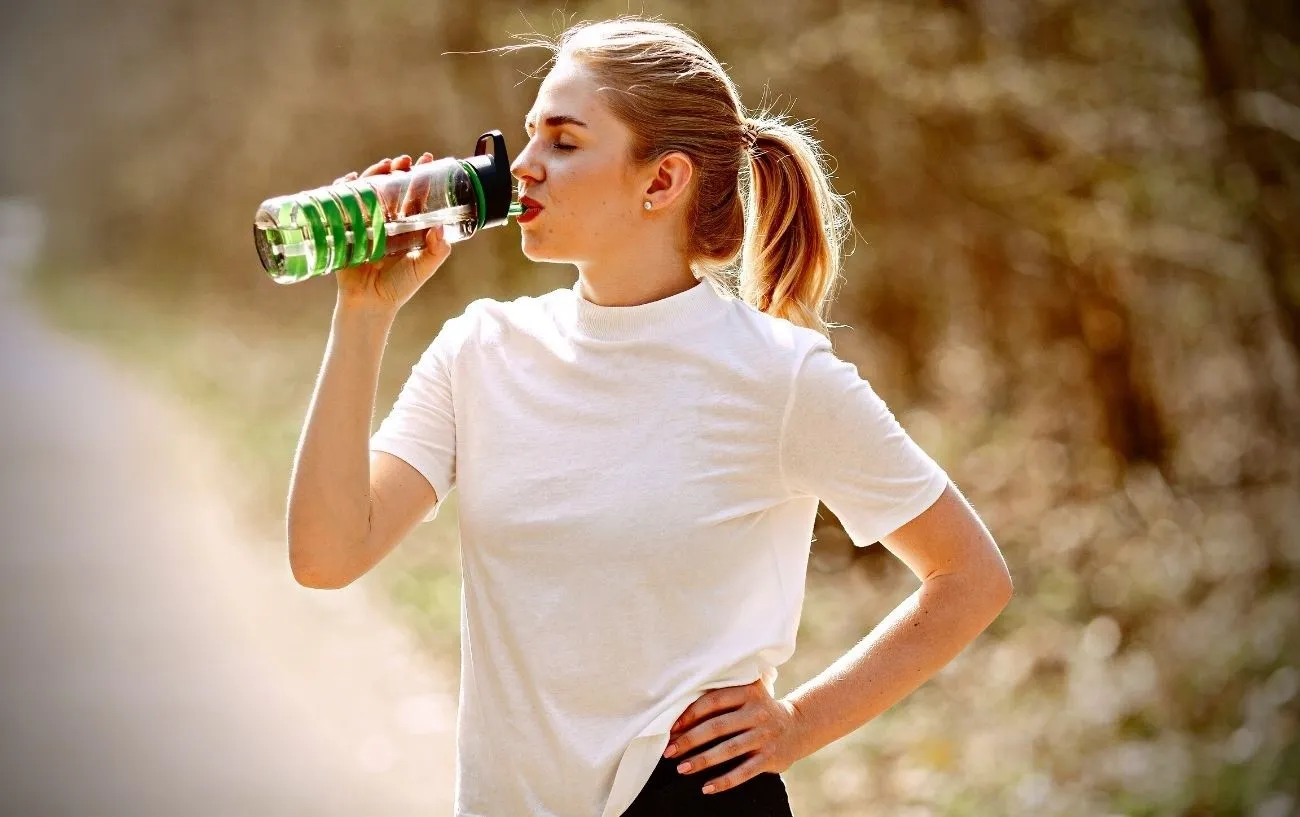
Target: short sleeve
column 421, row 427
column 842, row 444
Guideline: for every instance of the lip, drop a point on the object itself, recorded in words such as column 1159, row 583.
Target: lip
column 532, row 209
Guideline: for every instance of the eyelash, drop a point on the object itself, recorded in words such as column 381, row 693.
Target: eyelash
column 559, row 146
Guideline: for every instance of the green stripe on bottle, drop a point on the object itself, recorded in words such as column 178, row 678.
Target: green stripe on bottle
column 479, row 196
column 378, row 237
column 311, row 211
column 347, row 198
column 338, row 232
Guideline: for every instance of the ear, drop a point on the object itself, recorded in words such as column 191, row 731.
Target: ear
column 670, row 178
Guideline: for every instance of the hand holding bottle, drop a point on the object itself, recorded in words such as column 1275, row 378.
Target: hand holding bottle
column 387, row 284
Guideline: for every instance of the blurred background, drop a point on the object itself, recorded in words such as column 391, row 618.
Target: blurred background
column 1075, row 278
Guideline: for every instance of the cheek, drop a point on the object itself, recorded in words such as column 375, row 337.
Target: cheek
column 594, row 187
column 586, row 200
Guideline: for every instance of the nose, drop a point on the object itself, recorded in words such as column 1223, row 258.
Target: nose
column 524, row 168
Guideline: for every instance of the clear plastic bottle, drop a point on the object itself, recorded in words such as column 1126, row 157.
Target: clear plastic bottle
column 318, row 231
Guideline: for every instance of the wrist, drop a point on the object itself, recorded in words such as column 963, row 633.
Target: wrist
column 801, row 730
column 355, row 310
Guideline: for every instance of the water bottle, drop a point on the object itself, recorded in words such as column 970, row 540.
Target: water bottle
column 318, row 231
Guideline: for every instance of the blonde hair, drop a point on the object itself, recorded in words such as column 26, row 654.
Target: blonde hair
column 771, row 204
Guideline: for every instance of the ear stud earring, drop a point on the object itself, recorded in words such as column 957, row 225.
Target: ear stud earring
column 648, row 205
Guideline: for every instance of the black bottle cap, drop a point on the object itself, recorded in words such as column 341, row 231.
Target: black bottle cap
column 493, row 171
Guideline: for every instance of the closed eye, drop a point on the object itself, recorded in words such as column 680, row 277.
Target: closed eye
column 556, row 145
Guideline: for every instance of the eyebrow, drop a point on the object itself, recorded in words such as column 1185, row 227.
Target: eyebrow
column 556, row 121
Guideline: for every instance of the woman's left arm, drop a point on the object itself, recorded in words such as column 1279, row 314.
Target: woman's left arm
column 964, row 586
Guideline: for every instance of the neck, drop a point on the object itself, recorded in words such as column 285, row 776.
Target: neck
column 647, row 271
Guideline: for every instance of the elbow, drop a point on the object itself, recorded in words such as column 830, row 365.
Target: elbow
column 985, row 590
column 998, row 589
column 318, row 557
column 310, row 571
column 314, row 580
column 993, row 579
column 1006, row 587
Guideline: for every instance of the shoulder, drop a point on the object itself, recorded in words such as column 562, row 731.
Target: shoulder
column 777, row 338
column 491, row 321
column 492, row 316
column 522, row 310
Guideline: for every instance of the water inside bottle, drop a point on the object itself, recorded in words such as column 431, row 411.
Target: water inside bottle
column 455, row 222
column 403, row 234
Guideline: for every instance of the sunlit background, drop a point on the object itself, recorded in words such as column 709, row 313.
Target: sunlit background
column 1075, row 278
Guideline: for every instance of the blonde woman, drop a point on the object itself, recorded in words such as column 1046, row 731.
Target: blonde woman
column 640, row 457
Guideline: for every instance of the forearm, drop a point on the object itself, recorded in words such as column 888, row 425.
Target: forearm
column 329, row 491
column 919, row 637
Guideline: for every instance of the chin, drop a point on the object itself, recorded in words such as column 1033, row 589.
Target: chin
column 542, row 252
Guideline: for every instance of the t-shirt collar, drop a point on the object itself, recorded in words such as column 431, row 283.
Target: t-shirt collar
column 646, row 320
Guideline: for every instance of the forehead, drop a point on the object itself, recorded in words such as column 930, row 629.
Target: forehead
column 568, row 90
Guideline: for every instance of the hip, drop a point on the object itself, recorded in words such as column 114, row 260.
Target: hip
column 669, row 792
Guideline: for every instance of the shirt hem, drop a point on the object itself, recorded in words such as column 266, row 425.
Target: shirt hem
column 408, row 455
column 906, row 513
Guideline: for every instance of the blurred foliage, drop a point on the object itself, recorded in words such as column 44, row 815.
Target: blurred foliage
column 1076, row 280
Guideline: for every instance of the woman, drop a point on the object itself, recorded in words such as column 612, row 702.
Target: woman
column 640, row 457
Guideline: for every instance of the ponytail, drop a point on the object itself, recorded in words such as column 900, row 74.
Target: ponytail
column 794, row 231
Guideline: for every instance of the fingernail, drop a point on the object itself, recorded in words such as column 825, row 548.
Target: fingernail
column 684, row 767
column 708, row 789
column 671, row 750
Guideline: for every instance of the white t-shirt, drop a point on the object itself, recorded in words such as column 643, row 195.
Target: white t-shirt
column 637, row 493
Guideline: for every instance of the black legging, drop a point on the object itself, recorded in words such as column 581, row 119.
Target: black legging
column 669, row 793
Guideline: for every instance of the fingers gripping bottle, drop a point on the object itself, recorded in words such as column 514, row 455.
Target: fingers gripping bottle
column 318, row 231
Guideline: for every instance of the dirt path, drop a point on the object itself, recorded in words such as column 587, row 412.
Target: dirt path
column 153, row 660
